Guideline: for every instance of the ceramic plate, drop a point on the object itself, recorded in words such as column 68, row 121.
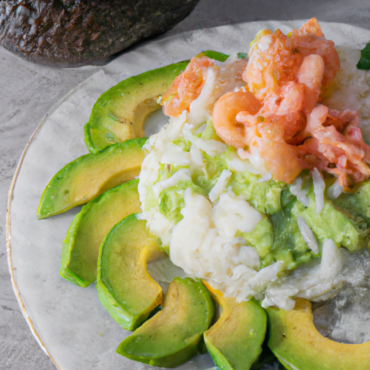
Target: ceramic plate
column 69, row 322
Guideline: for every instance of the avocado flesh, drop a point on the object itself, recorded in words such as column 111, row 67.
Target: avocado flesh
column 91, row 175
column 90, row 227
column 119, row 114
column 299, row 346
column 235, row 340
column 173, row 335
column 124, row 286
column 332, row 224
column 287, row 243
column 357, row 202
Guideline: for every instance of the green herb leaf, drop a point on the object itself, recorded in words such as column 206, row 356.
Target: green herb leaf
column 243, row 55
column 221, row 57
column 364, row 62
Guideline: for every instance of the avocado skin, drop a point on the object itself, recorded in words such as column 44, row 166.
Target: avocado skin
column 90, row 175
column 71, row 33
column 173, row 335
column 81, row 246
column 124, row 286
column 120, row 112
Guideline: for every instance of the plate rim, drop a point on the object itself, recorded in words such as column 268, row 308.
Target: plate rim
column 16, row 291
column 8, row 242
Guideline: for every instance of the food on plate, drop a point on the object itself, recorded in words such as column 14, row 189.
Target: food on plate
column 74, row 33
column 235, row 340
column 124, row 286
column 119, row 114
column 174, row 334
column 90, row 227
column 356, row 203
column 258, row 185
column 260, row 202
column 298, row 345
column 91, row 175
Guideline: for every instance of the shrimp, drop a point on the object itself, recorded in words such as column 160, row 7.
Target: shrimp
column 308, row 40
column 311, row 72
column 272, row 63
column 186, row 87
column 338, row 140
column 287, row 74
column 279, row 116
column 311, row 27
column 281, row 159
column 275, row 59
column 224, row 114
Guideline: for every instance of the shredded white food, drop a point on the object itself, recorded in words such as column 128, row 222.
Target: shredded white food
column 233, row 213
column 318, row 189
column 334, row 190
column 220, row 186
column 307, row 281
column 308, row 235
column 301, row 194
column 181, row 175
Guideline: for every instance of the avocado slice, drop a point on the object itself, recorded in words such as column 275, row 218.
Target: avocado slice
column 91, row 175
column 235, row 340
column 90, row 227
column 119, row 114
column 124, row 286
column 299, row 346
column 173, row 335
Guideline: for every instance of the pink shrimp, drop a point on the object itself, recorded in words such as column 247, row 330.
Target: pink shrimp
column 340, row 142
column 287, row 74
column 186, row 87
column 224, row 114
column 311, row 72
column 272, row 63
column 308, row 40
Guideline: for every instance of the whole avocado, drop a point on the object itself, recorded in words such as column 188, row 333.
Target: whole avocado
column 71, row 33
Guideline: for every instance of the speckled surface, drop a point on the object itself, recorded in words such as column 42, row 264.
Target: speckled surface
column 28, row 91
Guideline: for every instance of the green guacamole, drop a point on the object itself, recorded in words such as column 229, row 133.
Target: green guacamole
column 276, row 237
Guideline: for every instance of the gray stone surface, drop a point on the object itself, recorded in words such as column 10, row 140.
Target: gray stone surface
column 28, row 91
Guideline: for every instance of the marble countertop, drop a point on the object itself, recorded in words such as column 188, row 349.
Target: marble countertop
column 22, row 109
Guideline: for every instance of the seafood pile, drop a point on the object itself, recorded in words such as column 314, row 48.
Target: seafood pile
column 278, row 111
column 237, row 185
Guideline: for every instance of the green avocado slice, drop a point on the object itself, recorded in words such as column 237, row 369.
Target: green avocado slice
column 235, row 340
column 173, row 335
column 119, row 114
column 298, row 345
column 124, row 286
column 91, row 175
column 90, row 227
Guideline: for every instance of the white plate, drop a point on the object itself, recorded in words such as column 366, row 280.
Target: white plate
column 69, row 322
